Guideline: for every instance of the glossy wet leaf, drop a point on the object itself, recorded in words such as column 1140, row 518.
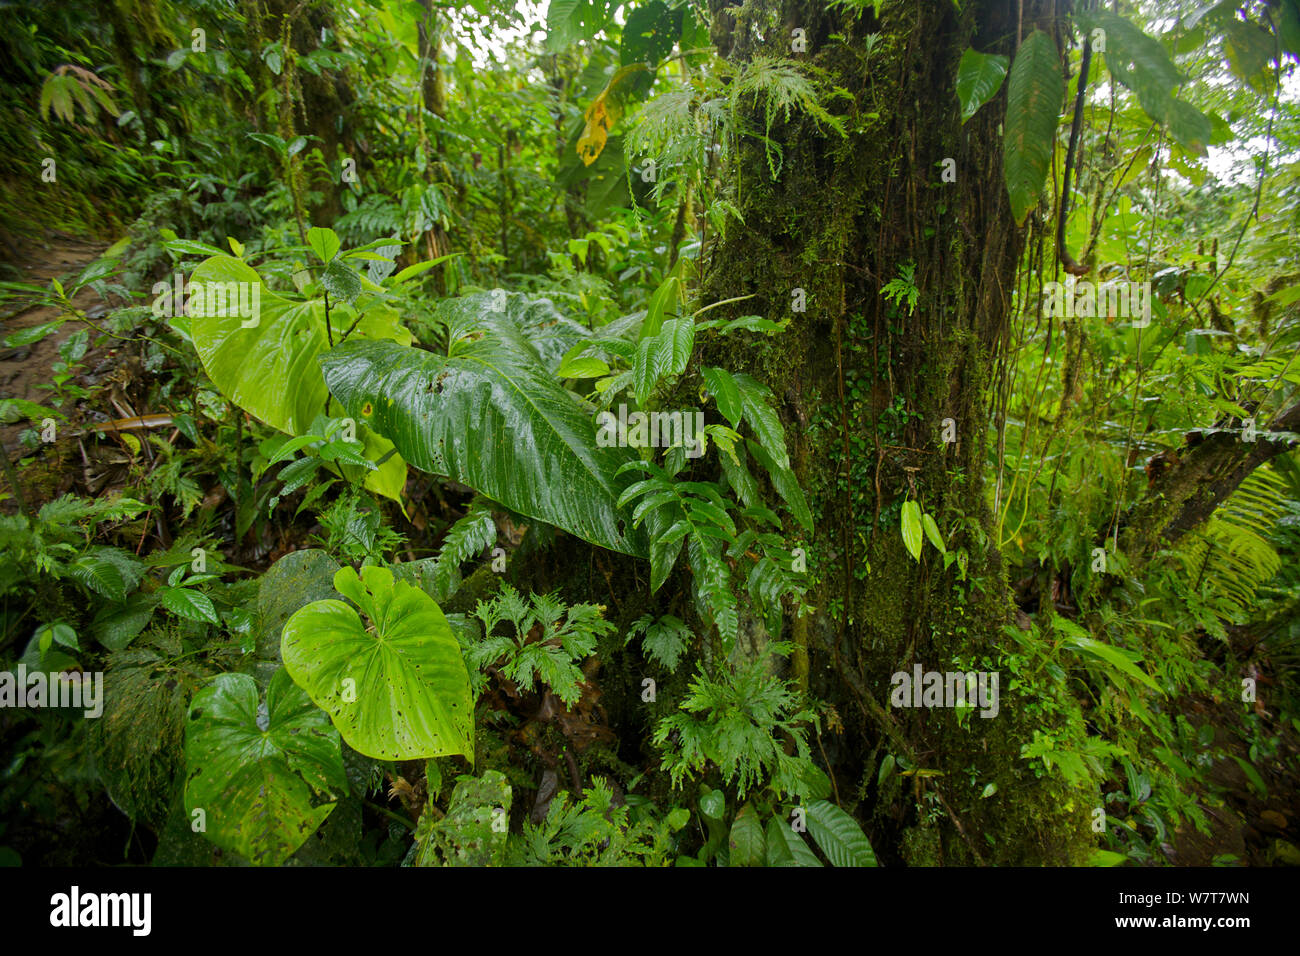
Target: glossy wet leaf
column 979, row 77
column 396, row 688
column 270, row 370
column 492, row 417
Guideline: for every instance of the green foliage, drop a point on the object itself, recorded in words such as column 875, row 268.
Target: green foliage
column 468, row 537
column 738, row 723
column 1141, row 64
column 781, row 87
column 262, row 784
column 1034, row 97
column 595, row 831
column 489, row 248
column 56, row 542
column 430, row 406
column 549, row 642
column 267, row 362
column 979, row 77
column 397, row 688
column 664, row 640
column 473, row 832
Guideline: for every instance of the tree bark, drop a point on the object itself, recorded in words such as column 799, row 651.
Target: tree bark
column 842, row 219
column 323, row 101
column 1185, row 488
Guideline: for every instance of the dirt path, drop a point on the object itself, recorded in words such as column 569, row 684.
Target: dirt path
column 24, row 369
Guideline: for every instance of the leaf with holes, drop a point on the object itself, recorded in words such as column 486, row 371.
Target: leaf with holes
column 396, row 689
column 1034, row 97
column 264, row 784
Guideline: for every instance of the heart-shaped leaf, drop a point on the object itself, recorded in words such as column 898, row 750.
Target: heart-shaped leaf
column 490, row 415
column 396, row 689
column 979, row 77
column 264, row 784
column 267, row 363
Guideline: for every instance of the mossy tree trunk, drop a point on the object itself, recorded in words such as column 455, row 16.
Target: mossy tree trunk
column 433, row 94
column 867, row 385
column 317, row 104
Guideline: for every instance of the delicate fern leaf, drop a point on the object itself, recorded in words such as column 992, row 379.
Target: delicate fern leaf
column 470, row 535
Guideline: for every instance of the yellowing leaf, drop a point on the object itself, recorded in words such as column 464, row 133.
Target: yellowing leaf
column 601, row 115
column 596, row 132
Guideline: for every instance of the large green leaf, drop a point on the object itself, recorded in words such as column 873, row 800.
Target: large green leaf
column 979, row 77
column 264, row 784
column 839, row 835
column 472, row 833
column 490, row 416
column 570, row 20
column 651, row 32
column 270, row 369
column 1140, row 63
column 297, row 579
column 546, row 328
column 1034, row 97
column 396, row 690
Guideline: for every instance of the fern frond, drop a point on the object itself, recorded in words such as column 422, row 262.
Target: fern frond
column 1231, row 557
column 471, row 534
